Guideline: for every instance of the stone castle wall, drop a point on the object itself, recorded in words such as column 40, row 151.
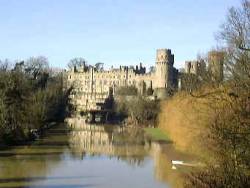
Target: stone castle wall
column 91, row 86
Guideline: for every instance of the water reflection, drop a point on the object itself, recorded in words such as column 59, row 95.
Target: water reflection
column 127, row 144
column 112, row 141
column 82, row 155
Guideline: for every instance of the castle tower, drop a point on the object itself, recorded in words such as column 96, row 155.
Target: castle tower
column 164, row 68
column 215, row 64
column 164, row 72
column 197, row 67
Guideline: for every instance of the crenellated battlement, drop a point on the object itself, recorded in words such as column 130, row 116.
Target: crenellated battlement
column 164, row 56
column 89, row 82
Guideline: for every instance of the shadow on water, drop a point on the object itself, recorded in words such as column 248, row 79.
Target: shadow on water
column 8, row 154
column 32, row 179
column 53, row 144
column 54, row 186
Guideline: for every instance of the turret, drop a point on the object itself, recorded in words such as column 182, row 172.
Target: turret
column 164, row 68
column 164, row 74
column 215, row 65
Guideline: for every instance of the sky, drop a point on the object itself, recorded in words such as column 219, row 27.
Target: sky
column 115, row 32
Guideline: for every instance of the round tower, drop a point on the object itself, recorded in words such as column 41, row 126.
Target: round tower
column 164, row 71
column 164, row 68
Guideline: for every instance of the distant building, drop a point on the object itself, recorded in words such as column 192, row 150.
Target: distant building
column 215, row 65
column 91, row 86
column 197, row 67
column 196, row 71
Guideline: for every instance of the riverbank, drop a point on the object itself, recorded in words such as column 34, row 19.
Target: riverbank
column 211, row 124
column 156, row 134
column 31, row 136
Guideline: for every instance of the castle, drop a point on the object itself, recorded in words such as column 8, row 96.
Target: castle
column 92, row 87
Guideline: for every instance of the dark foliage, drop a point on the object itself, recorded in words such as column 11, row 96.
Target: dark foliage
column 30, row 98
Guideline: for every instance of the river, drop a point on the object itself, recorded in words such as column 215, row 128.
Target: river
column 78, row 155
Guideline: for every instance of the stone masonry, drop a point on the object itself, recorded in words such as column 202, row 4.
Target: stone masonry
column 91, row 87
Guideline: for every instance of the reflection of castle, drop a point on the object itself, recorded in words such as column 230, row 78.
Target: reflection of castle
column 109, row 141
column 103, row 140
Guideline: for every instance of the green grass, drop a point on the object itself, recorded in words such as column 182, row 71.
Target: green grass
column 156, row 134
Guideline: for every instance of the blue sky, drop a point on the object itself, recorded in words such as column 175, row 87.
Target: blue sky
column 110, row 31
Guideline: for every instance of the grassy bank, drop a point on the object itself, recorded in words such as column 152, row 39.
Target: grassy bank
column 156, row 134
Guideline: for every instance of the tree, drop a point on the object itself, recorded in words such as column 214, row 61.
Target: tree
column 36, row 66
column 30, row 98
column 190, row 82
column 151, row 69
column 77, row 62
column 15, row 100
column 99, row 66
column 235, row 33
column 5, row 65
column 127, row 91
column 229, row 129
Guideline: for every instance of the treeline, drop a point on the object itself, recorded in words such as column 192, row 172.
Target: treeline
column 136, row 109
column 213, row 120
column 31, row 96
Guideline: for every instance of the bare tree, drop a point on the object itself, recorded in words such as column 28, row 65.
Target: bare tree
column 235, row 33
column 35, row 66
column 151, row 69
column 77, row 62
column 5, row 65
column 99, row 66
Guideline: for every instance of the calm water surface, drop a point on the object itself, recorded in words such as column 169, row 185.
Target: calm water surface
column 76, row 155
